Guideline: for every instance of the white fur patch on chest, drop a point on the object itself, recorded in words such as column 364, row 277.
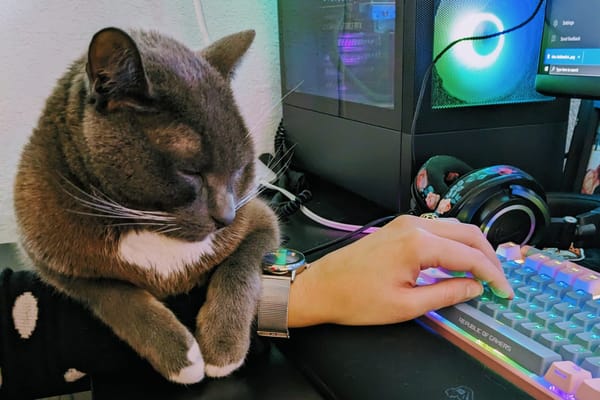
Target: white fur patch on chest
column 162, row 254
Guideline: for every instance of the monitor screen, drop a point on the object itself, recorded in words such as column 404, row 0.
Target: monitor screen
column 491, row 71
column 569, row 63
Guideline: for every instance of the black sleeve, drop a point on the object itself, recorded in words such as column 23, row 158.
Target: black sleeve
column 50, row 345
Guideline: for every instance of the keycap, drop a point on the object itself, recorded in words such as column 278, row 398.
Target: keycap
column 569, row 273
column 585, row 319
column 588, row 340
column 528, row 309
column 589, row 389
column 574, row 352
column 546, row 301
column 553, row 341
column 566, row 375
column 494, row 310
column 546, row 318
column 558, row 289
column 535, row 260
column 540, row 281
column 510, row 266
column 523, row 273
column 592, row 364
column 509, row 251
column 565, row 309
column 576, row 297
column 520, row 348
column 588, row 282
column 511, row 319
column 550, row 267
column 528, row 292
column 531, row 329
column 567, row 329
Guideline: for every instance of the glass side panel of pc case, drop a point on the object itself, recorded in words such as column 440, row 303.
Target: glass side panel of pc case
column 342, row 50
column 345, row 50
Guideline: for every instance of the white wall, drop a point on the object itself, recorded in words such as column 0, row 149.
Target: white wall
column 39, row 39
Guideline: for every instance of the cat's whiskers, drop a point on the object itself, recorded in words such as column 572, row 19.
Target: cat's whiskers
column 165, row 230
column 287, row 160
column 108, row 208
column 244, row 200
column 270, row 109
column 162, row 228
column 256, row 191
column 162, row 225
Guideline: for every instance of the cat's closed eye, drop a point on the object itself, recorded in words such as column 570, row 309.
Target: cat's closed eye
column 193, row 178
column 191, row 173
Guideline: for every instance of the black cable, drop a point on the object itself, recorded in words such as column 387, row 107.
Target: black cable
column 349, row 235
column 419, row 103
column 287, row 208
column 280, row 142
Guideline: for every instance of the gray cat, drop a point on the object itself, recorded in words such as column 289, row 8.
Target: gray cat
column 137, row 184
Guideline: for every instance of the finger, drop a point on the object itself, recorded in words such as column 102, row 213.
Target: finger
column 468, row 234
column 525, row 251
column 456, row 256
column 441, row 294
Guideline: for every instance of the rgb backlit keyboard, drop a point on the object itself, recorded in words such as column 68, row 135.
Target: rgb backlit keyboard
column 547, row 339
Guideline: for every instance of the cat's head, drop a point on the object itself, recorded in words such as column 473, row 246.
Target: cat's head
column 162, row 131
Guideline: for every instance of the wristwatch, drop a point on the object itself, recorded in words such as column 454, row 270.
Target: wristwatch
column 279, row 269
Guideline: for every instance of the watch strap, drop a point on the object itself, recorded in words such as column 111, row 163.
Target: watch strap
column 273, row 306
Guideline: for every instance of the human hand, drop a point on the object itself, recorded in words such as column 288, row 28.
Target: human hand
column 373, row 280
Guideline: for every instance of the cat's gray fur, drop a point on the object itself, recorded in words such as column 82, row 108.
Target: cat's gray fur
column 138, row 184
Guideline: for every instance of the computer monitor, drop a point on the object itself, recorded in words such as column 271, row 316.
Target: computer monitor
column 569, row 62
column 569, row 66
column 355, row 67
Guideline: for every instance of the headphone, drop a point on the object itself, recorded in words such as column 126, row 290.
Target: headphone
column 506, row 203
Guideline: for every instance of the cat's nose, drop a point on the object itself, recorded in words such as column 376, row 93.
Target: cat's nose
column 221, row 221
column 224, row 213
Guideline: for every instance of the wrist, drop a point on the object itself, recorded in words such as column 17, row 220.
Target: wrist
column 306, row 305
column 281, row 269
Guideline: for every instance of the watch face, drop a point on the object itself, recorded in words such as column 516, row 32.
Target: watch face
column 283, row 261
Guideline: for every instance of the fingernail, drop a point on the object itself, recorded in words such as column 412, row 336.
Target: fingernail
column 500, row 293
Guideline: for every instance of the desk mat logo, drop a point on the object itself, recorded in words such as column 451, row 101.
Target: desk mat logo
column 460, row 393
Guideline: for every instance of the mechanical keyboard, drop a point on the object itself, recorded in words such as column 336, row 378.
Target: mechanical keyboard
column 546, row 340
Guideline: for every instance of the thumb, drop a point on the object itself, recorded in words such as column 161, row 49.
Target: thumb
column 445, row 293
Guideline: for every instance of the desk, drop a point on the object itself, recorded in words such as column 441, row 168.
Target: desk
column 271, row 377
column 401, row 361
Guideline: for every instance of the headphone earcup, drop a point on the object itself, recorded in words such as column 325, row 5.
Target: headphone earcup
column 505, row 202
column 434, row 179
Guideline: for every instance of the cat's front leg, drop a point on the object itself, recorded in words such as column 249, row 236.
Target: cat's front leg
column 139, row 319
column 225, row 319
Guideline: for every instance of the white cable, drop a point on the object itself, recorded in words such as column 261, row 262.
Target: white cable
column 201, row 22
column 317, row 218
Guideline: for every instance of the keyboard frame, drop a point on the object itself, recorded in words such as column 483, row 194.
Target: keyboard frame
column 494, row 361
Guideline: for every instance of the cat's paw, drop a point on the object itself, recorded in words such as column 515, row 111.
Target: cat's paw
column 194, row 372
column 216, row 371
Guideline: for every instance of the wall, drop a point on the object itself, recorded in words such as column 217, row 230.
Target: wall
column 39, row 39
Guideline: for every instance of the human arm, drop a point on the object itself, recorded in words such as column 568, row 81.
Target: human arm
column 373, row 280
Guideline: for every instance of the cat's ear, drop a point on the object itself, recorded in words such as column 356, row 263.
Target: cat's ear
column 226, row 53
column 115, row 71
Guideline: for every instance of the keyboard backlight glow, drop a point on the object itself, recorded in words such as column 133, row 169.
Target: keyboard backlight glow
column 538, row 379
